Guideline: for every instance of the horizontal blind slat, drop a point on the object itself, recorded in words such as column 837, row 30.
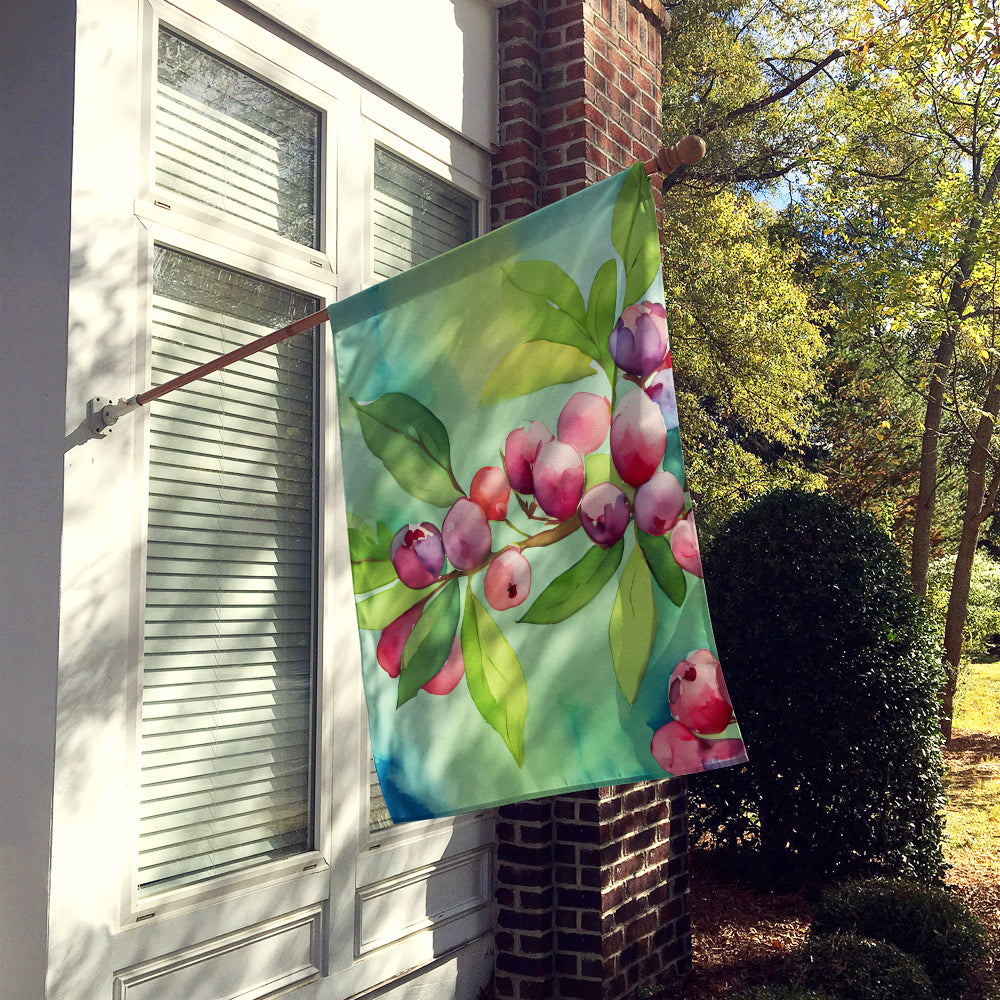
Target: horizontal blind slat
column 228, row 645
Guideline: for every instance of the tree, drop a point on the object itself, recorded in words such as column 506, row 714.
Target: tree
column 749, row 356
column 911, row 188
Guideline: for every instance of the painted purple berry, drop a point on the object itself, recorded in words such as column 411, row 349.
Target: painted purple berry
column 466, row 535
column 584, row 421
column 638, row 343
column 417, row 554
column 508, row 580
column 638, row 438
column 491, row 491
column 519, row 454
column 661, row 391
column 659, row 502
column 605, row 514
column 559, row 476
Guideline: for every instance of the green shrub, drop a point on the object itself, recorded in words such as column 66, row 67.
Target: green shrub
column 925, row 922
column 833, row 672
column 782, row 993
column 856, row 968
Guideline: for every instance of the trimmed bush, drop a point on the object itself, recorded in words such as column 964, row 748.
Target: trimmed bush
column 834, row 672
column 782, row 993
column 857, row 968
column 925, row 922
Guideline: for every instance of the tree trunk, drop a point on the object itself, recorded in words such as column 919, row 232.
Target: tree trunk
column 979, row 499
column 920, row 552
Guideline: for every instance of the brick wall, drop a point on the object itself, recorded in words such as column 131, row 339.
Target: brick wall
column 579, row 96
column 591, row 889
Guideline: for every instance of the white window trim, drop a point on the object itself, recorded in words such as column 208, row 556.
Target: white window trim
column 347, row 859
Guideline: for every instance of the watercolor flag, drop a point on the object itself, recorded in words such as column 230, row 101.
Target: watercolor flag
column 529, row 595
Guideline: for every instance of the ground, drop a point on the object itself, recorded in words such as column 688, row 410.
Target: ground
column 741, row 935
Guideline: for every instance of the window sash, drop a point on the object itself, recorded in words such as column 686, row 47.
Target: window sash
column 228, row 140
column 228, row 680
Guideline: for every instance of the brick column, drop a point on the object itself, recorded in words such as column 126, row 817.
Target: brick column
column 591, row 889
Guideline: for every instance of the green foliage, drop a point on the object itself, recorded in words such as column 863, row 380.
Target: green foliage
column 748, row 353
column 782, row 992
column 834, row 673
column 857, row 968
column 983, row 611
column 924, row 921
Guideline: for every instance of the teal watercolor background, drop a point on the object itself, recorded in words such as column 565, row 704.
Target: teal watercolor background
column 437, row 333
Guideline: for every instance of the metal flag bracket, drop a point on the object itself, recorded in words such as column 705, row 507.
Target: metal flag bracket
column 103, row 413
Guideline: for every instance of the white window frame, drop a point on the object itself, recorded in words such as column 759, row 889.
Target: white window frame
column 350, row 870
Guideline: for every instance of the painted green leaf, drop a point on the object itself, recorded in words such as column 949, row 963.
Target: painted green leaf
column 429, row 642
column 494, row 676
column 533, row 366
column 546, row 303
column 599, row 469
column 667, row 574
column 633, row 625
column 634, row 233
column 602, row 305
column 412, row 444
column 577, row 587
column 386, row 606
column 369, row 545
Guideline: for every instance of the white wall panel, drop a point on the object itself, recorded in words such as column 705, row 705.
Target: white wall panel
column 416, row 49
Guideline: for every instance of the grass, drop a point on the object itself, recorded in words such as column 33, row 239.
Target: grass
column 973, row 782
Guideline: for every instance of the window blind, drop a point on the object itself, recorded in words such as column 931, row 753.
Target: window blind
column 415, row 216
column 226, row 757
column 228, row 140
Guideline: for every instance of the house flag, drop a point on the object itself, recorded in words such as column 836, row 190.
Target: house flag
column 528, row 588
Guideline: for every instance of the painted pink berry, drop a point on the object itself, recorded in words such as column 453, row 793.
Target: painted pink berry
column 519, row 454
column 722, row 753
column 389, row 650
column 698, row 696
column 466, row 535
column 638, row 343
column 676, row 749
column 508, row 580
column 447, row 678
column 491, row 491
column 605, row 513
column 659, row 502
column 584, row 421
column 559, row 476
column 417, row 554
column 638, row 438
column 684, row 546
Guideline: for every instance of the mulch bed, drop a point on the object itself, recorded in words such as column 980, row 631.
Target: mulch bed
column 742, row 935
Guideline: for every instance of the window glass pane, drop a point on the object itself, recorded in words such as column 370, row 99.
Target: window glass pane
column 228, row 656
column 416, row 216
column 228, row 140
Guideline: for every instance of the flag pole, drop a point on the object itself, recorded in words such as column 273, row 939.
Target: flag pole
column 687, row 152
column 103, row 413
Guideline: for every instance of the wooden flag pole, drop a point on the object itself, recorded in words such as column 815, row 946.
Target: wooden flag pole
column 687, row 152
column 103, row 413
